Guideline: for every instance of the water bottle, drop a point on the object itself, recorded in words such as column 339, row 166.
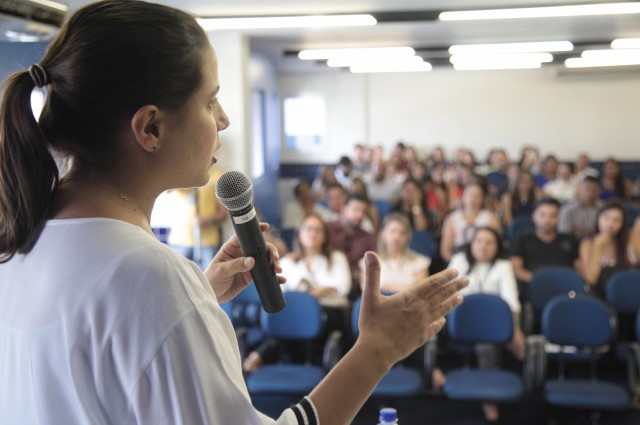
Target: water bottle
column 388, row 416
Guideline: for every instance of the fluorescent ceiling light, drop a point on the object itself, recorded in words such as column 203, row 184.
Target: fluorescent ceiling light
column 21, row 36
column 310, row 21
column 501, row 58
column 491, row 66
column 611, row 54
column 324, row 54
column 601, row 62
column 626, row 43
column 544, row 46
column 52, row 4
column 543, row 12
column 390, row 67
column 339, row 62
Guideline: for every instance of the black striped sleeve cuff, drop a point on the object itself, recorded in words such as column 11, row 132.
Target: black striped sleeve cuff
column 306, row 413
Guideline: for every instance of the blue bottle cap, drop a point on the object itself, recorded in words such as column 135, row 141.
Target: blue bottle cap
column 388, row 414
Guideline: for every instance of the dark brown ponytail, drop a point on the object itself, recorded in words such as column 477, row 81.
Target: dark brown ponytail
column 28, row 172
column 109, row 59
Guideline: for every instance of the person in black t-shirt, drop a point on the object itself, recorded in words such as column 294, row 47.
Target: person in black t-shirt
column 543, row 248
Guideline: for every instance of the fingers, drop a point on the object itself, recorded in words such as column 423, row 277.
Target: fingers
column 426, row 288
column 371, row 284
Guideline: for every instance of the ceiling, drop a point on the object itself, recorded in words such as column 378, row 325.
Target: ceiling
column 430, row 38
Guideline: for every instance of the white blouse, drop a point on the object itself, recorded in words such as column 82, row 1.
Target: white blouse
column 400, row 271
column 318, row 273
column 498, row 279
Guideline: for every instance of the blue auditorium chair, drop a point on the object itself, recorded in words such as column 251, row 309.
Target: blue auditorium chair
column 301, row 320
column 244, row 311
column 520, row 225
column 583, row 323
column 400, row 381
column 546, row 284
column 482, row 319
column 623, row 294
column 623, row 291
column 423, row 243
column 383, row 207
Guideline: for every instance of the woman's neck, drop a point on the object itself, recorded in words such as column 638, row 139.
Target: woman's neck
column 86, row 196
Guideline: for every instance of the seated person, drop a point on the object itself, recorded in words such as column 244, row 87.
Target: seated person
column 545, row 247
column 489, row 273
column 412, row 205
column 519, row 200
column 610, row 250
column 579, row 217
column 303, row 204
column 400, row 267
column 348, row 236
column 460, row 225
column 314, row 267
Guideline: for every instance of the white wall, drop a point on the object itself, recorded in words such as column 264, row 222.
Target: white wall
column 475, row 109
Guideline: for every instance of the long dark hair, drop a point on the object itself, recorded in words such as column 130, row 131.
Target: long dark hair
column 531, row 195
column 622, row 237
column 618, row 184
column 108, row 60
column 499, row 252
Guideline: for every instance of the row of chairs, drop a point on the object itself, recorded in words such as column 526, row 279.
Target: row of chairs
column 569, row 317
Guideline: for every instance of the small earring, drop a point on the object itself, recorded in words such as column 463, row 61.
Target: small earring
column 154, row 148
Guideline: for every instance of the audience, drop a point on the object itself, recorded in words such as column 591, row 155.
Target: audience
column 489, row 273
column 583, row 167
column 380, row 185
column 548, row 171
column 347, row 236
column 610, row 249
column 304, row 203
column 344, row 171
column 545, row 247
column 519, row 201
column 325, row 178
column 614, row 185
column 371, row 223
column 400, row 267
column 579, row 217
column 563, row 188
column 412, row 205
column 314, row 267
column 459, row 225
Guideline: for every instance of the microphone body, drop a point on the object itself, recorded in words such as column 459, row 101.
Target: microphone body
column 247, row 227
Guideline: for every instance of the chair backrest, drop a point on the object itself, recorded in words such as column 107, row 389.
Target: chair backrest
column 550, row 282
column 355, row 313
column 248, row 295
column 422, row 242
column 481, row 318
column 520, row 225
column 581, row 321
column 301, row 318
column 623, row 291
column 382, row 206
column 287, row 236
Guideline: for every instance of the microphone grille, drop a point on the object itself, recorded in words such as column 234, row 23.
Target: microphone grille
column 234, row 190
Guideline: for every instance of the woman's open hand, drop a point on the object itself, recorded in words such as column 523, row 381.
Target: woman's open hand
column 229, row 272
column 397, row 325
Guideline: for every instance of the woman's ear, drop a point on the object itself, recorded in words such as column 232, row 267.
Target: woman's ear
column 146, row 126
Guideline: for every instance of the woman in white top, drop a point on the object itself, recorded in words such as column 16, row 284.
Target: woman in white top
column 100, row 322
column 459, row 225
column 400, row 267
column 490, row 274
column 314, row 266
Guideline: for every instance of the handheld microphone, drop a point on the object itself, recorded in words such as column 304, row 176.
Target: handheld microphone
column 235, row 191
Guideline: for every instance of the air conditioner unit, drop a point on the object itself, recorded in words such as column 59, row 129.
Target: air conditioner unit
column 30, row 20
